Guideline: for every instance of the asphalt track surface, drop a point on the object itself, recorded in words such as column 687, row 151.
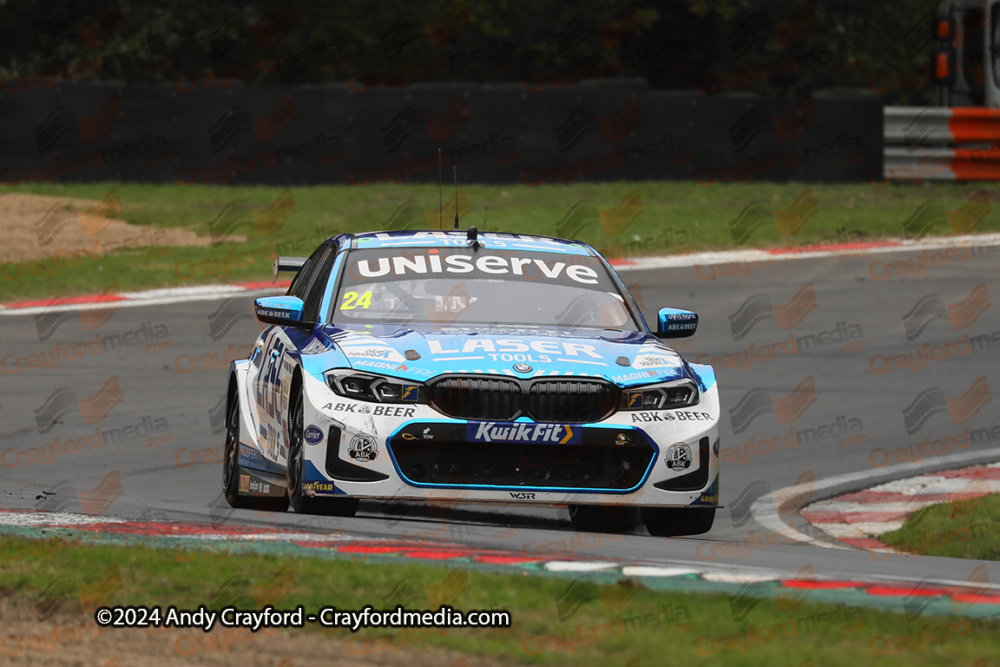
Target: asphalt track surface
column 180, row 478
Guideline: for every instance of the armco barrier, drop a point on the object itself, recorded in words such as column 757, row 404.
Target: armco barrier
column 942, row 144
column 600, row 130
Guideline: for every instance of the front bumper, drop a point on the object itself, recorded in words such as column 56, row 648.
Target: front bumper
column 401, row 452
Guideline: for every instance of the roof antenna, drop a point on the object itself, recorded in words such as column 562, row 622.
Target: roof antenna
column 440, row 204
column 455, row 172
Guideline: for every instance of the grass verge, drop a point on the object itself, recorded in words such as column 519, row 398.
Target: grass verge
column 555, row 621
column 666, row 217
column 959, row 529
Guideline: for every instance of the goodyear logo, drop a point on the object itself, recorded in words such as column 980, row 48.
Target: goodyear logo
column 318, row 486
column 550, row 434
column 634, row 399
column 410, row 393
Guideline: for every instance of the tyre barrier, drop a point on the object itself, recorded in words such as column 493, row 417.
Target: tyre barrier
column 941, row 144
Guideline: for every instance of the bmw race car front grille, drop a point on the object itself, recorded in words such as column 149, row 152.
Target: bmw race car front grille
column 476, row 398
column 571, row 400
column 506, row 399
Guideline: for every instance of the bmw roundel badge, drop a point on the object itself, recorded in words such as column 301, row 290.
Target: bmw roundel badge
column 522, row 368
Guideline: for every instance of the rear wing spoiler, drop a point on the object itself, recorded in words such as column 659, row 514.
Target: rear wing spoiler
column 286, row 264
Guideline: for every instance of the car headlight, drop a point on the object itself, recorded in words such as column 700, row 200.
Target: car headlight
column 374, row 388
column 665, row 396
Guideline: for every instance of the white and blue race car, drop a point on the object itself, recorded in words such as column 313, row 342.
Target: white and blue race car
column 475, row 367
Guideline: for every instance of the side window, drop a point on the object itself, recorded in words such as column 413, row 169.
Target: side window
column 301, row 281
column 319, row 280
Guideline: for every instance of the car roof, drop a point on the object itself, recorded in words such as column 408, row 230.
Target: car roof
column 443, row 239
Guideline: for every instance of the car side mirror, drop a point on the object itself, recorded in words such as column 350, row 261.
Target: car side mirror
column 282, row 310
column 675, row 323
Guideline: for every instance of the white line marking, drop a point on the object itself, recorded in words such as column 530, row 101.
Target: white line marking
column 53, row 518
column 650, row 571
column 578, row 566
column 739, row 577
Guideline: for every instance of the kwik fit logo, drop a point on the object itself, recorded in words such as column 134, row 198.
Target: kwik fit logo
column 556, row 434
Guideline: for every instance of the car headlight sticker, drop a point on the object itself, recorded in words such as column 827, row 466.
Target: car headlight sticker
column 374, row 388
column 665, row 396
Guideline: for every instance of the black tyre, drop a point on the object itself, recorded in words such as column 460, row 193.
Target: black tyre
column 300, row 502
column 678, row 521
column 230, row 457
column 230, row 464
column 599, row 518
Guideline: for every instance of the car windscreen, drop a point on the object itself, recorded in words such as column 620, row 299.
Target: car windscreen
column 454, row 286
